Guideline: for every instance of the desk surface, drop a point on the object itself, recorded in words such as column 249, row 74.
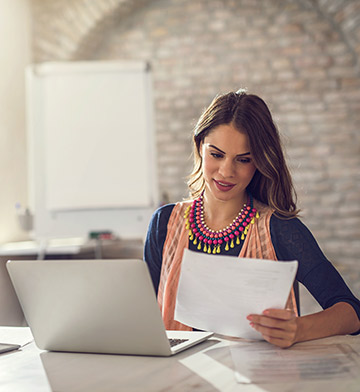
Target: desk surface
column 74, row 248
column 206, row 367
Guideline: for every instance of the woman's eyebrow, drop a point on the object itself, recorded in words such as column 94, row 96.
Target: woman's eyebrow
column 216, row 148
column 238, row 155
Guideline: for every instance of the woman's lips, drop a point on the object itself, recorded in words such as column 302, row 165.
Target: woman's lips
column 224, row 186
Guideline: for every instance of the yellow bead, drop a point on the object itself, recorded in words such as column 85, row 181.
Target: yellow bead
column 237, row 240
column 232, row 243
column 214, row 250
column 227, row 246
column 218, row 249
column 186, row 214
column 195, row 241
column 199, row 246
column 253, row 220
column 242, row 236
column 257, row 215
column 205, row 248
column 209, row 249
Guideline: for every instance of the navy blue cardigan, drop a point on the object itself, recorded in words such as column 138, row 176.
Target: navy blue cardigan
column 291, row 239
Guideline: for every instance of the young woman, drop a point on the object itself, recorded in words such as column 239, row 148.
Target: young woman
column 243, row 203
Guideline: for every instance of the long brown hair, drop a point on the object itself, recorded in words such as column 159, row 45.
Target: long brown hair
column 272, row 183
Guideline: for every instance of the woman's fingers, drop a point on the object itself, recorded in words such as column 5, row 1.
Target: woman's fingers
column 283, row 314
column 277, row 326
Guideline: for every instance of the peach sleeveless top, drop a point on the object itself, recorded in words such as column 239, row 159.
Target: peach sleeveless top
column 257, row 245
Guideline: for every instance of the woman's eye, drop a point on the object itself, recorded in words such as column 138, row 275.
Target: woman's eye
column 244, row 160
column 216, row 155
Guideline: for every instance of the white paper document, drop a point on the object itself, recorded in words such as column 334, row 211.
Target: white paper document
column 16, row 335
column 217, row 292
column 261, row 362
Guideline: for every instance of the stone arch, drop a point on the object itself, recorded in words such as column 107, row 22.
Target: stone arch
column 67, row 30
column 343, row 17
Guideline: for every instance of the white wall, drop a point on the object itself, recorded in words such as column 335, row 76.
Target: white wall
column 15, row 52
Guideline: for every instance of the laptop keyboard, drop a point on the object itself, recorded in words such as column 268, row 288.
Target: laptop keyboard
column 175, row 342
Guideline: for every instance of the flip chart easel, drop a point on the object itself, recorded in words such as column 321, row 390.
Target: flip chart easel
column 91, row 148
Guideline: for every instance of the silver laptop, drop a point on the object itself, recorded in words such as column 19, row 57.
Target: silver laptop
column 11, row 314
column 96, row 306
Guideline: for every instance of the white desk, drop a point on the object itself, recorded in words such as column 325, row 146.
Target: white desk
column 42, row 248
column 74, row 248
column 206, row 367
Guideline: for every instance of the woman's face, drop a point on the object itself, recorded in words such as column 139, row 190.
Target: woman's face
column 227, row 163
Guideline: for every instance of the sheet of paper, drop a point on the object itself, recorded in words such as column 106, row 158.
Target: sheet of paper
column 15, row 335
column 261, row 362
column 216, row 292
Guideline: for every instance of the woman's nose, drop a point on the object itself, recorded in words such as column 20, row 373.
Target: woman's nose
column 226, row 168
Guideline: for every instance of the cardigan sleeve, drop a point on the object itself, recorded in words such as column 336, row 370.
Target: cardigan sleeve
column 155, row 240
column 292, row 240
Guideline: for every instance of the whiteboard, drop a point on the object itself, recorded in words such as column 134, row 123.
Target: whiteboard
column 91, row 147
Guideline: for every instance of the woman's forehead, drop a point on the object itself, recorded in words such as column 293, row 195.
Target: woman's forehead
column 228, row 137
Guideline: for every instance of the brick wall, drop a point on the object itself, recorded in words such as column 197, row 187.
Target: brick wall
column 301, row 56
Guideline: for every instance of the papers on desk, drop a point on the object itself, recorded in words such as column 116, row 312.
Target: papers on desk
column 261, row 362
column 13, row 338
column 16, row 335
column 216, row 292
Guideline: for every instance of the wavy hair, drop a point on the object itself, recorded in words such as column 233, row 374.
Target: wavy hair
column 272, row 183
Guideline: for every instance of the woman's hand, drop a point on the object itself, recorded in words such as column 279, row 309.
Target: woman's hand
column 277, row 326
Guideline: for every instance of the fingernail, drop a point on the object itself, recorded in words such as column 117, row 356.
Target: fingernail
column 265, row 312
column 252, row 325
column 249, row 317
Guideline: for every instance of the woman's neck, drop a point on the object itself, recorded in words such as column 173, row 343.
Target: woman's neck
column 219, row 214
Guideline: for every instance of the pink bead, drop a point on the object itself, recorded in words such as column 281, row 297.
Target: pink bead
column 193, row 225
column 236, row 233
column 210, row 242
column 231, row 236
column 245, row 224
column 248, row 220
column 241, row 228
column 220, row 241
column 215, row 242
column 205, row 240
column 201, row 238
column 197, row 234
column 226, row 239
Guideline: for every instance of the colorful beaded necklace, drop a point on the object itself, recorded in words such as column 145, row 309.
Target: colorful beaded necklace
column 211, row 240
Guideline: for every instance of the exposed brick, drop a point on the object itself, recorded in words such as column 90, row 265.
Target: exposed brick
column 301, row 57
